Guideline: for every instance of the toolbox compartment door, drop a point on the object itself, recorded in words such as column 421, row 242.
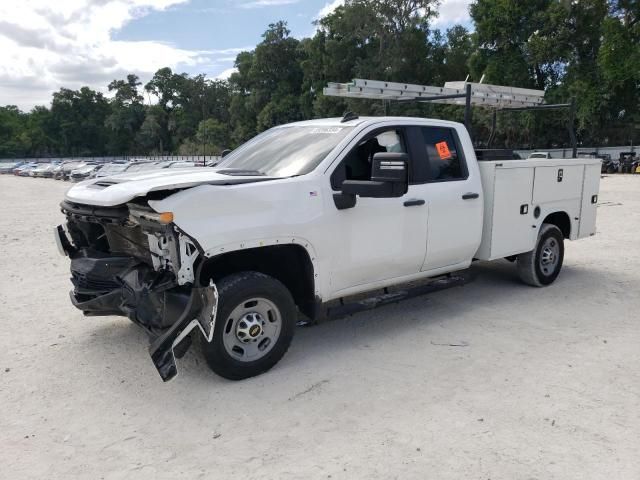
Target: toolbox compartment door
column 589, row 200
column 553, row 184
column 512, row 213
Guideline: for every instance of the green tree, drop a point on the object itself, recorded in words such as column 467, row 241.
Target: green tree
column 79, row 117
column 126, row 117
column 149, row 137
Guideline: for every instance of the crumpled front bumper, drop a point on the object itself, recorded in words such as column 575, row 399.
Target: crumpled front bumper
column 120, row 285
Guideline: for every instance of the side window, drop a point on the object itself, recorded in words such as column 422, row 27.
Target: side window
column 445, row 161
column 357, row 164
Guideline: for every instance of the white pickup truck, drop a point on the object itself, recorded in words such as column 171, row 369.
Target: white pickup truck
column 301, row 218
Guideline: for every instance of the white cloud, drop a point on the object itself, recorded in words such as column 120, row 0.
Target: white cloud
column 449, row 13
column 329, row 8
column 452, row 12
column 266, row 3
column 226, row 73
column 46, row 45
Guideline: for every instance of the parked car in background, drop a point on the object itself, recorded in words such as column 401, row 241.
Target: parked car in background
column 9, row 167
column 142, row 166
column 25, row 169
column 540, row 155
column 44, row 170
column 180, row 165
column 112, row 168
column 55, row 173
column 67, row 167
column 84, row 172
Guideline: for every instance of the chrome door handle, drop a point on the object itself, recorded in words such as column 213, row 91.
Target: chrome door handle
column 470, row 196
column 414, row 203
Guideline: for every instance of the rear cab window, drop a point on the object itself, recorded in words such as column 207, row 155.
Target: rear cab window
column 440, row 149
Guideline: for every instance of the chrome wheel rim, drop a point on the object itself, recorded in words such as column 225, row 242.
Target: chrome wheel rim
column 252, row 329
column 549, row 256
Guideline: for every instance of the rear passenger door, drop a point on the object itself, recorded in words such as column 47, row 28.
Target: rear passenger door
column 452, row 190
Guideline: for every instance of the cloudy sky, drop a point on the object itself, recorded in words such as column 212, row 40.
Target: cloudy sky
column 47, row 44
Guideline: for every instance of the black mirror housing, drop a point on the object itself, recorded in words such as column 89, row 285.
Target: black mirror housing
column 390, row 167
column 388, row 178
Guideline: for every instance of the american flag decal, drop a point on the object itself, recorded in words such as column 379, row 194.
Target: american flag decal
column 313, row 194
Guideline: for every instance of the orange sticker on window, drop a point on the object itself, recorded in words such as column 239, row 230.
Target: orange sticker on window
column 443, row 151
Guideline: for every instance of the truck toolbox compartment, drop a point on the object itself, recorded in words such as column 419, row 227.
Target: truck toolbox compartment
column 557, row 183
column 520, row 194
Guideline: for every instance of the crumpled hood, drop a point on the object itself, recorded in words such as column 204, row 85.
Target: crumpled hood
column 122, row 188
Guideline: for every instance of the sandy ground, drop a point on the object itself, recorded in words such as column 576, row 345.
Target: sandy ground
column 548, row 386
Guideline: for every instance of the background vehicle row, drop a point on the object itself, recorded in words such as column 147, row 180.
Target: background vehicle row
column 77, row 171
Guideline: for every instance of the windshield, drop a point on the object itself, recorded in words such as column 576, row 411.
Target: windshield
column 286, row 151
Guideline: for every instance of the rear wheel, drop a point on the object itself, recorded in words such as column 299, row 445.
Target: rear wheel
column 542, row 265
column 255, row 323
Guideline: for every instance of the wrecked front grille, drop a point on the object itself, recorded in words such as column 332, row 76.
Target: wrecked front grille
column 131, row 241
column 93, row 283
column 107, row 230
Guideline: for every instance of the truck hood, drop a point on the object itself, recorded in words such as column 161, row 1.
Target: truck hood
column 119, row 189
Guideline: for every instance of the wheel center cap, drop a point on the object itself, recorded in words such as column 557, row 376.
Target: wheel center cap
column 254, row 331
column 249, row 327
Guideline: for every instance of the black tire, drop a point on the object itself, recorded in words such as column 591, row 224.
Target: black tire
column 530, row 267
column 233, row 291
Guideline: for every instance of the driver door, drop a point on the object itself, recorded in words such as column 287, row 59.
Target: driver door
column 378, row 238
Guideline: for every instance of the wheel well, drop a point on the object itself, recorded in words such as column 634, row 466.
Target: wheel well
column 560, row 220
column 290, row 264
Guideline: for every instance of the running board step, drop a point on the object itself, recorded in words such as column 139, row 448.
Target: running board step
column 439, row 283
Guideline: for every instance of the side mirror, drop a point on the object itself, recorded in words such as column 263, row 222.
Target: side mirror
column 389, row 178
column 225, row 152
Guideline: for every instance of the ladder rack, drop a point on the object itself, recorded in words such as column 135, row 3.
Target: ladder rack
column 467, row 94
column 453, row 93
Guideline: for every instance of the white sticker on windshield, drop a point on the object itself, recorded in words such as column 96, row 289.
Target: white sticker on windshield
column 325, row 130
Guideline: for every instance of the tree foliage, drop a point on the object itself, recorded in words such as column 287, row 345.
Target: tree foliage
column 585, row 49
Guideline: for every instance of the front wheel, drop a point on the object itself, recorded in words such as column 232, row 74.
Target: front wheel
column 254, row 327
column 541, row 266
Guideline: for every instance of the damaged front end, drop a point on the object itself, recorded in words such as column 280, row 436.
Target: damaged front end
column 132, row 261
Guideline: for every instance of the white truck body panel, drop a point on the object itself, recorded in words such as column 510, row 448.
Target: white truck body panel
column 306, row 216
column 589, row 200
column 515, row 188
column 379, row 242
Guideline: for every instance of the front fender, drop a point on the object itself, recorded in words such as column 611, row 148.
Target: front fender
column 227, row 218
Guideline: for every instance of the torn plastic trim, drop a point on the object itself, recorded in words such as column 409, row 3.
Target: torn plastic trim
column 188, row 254
column 62, row 242
column 200, row 313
